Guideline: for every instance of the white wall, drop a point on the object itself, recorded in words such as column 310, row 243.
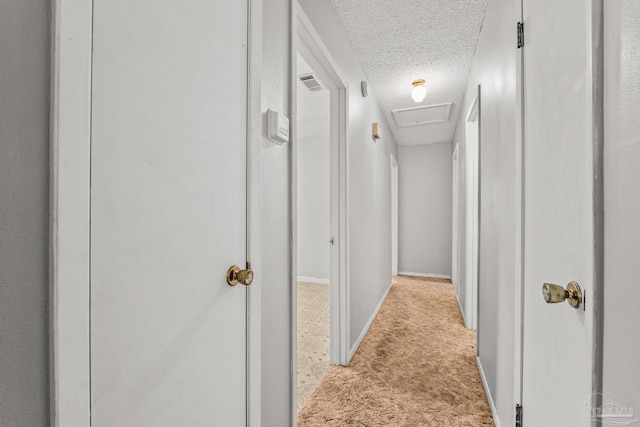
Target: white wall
column 313, row 207
column 494, row 67
column 424, row 225
column 275, row 238
column 24, row 212
column 622, row 202
column 369, row 176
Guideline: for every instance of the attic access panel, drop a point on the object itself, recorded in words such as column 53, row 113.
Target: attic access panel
column 422, row 115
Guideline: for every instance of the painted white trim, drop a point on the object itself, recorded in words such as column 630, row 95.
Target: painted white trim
column 462, row 312
column 313, row 280
column 435, row 276
column 472, row 115
column 472, row 212
column 455, row 180
column 293, row 213
column 344, row 298
column 356, row 344
column 487, row 390
column 70, row 213
column 310, row 46
column 394, row 173
column 254, row 209
column 518, row 327
column 595, row 328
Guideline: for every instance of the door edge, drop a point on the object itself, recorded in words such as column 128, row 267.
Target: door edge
column 254, row 172
column 69, row 259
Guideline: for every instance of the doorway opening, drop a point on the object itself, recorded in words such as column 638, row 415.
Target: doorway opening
column 472, row 146
column 313, row 230
column 319, row 210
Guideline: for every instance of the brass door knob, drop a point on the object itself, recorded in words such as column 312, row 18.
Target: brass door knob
column 555, row 293
column 236, row 275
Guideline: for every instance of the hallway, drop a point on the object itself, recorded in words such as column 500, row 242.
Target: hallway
column 415, row 367
column 151, row 163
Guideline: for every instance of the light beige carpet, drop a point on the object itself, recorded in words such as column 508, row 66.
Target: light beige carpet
column 313, row 338
column 415, row 367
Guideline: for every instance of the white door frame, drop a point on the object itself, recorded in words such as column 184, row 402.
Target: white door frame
column 70, row 212
column 394, row 215
column 472, row 215
column 310, row 46
column 454, row 217
column 519, row 222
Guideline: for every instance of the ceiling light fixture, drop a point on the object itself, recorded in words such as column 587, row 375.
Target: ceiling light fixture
column 419, row 91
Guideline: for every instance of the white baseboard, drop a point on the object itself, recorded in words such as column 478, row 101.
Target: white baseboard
column 355, row 346
column 461, row 311
column 492, row 404
column 436, row 276
column 313, row 280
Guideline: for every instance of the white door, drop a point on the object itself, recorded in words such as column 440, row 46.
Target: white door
column 558, row 211
column 168, row 211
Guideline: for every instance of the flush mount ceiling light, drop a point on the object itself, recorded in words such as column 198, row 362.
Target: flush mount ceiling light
column 419, row 91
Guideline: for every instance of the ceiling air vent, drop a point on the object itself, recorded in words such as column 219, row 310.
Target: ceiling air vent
column 310, row 81
column 422, row 115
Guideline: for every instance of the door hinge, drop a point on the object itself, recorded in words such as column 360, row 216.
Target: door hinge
column 520, row 35
column 518, row 415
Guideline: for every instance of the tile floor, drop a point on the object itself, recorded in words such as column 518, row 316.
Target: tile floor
column 313, row 337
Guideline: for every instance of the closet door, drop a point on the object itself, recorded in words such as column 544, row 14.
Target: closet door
column 168, row 213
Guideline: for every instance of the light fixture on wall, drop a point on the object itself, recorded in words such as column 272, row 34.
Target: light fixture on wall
column 419, row 91
column 376, row 133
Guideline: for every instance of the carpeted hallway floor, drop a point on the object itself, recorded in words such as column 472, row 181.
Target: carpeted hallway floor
column 415, row 367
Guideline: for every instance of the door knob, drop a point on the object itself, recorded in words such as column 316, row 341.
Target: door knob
column 556, row 293
column 236, row 275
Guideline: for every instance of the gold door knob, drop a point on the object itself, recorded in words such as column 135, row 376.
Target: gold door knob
column 236, row 275
column 556, row 293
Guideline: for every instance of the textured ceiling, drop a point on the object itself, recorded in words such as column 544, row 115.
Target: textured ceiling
column 403, row 40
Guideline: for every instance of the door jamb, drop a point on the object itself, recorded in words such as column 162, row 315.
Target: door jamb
column 519, row 187
column 596, row 19
column 312, row 49
column 394, row 214
column 472, row 215
column 70, row 213
column 70, row 376
column 455, row 184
